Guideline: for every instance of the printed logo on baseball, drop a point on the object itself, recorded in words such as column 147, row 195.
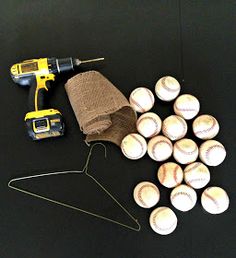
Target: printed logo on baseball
column 141, row 99
column 215, row 200
column 134, row 146
column 187, row 106
column 185, row 151
column 146, row 194
column 160, row 148
column 197, row 175
column 212, row 153
column 163, row 220
column 167, row 88
column 205, row 127
column 183, row 197
column 174, row 127
column 170, row 174
column 149, row 124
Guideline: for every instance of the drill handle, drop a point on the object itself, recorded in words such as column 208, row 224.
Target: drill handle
column 37, row 95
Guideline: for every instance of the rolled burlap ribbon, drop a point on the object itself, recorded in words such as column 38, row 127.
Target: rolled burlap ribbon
column 101, row 110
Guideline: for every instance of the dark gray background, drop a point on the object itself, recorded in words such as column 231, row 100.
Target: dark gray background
column 141, row 41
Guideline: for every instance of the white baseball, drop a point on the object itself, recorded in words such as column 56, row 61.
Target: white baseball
column 183, row 197
column 186, row 106
column 170, row 174
column 185, row 151
column 205, row 127
column 212, row 153
column 167, row 88
column 134, row 146
column 215, row 200
column 197, row 175
column 141, row 99
column 163, row 220
column 149, row 124
column 159, row 148
column 146, row 194
column 174, row 127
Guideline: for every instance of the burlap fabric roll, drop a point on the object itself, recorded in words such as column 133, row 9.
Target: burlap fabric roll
column 102, row 111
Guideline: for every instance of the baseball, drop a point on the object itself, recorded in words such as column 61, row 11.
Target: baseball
column 185, row 151
column 174, row 127
column 149, row 124
column 205, row 127
column 163, row 220
column 215, row 200
column 170, row 174
column 212, row 153
column 134, row 146
column 187, row 106
column 141, row 99
column 146, row 194
column 160, row 148
column 183, row 197
column 167, row 88
column 197, row 175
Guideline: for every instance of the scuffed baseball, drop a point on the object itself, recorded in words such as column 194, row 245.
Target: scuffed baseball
column 149, row 124
column 134, row 146
column 170, row 174
column 183, row 197
column 163, row 220
column 215, row 200
column 197, row 175
column 205, row 127
column 174, row 127
column 212, row 153
column 167, row 88
column 141, row 99
column 160, row 148
column 185, row 151
column 146, row 194
column 187, row 106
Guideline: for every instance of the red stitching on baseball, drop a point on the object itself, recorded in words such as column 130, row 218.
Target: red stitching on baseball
column 192, row 167
column 139, row 194
column 164, row 173
column 211, row 148
column 163, row 83
column 185, row 109
column 208, row 129
column 174, row 137
column 132, row 101
column 182, row 193
column 201, row 179
column 185, row 152
column 150, row 95
column 212, row 199
column 161, row 141
column 158, row 227
column 175, row 174
column 155, row 122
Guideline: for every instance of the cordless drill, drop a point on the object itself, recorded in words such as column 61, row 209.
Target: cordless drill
column 38, row 74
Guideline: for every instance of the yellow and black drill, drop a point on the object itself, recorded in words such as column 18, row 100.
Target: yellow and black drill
column 38, row 74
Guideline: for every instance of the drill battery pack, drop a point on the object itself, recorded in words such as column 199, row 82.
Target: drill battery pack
column 43, row 124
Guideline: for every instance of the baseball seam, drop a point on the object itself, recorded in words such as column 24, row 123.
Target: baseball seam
column 139, row 156
column 163, row 84
column 152, row 119
column 182, row 193
column 163, row 174
column 212, row 199
column 208, row 150
column 154, row 146
column 134, row 102
column 208, row 129
column 184, row 109
column 175, row 174
column 192, row 167
column 158, row 227
column 139, row 194
column 194, row 180
column 185, row 152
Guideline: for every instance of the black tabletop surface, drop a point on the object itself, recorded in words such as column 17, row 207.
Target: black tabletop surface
column 141, row 41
